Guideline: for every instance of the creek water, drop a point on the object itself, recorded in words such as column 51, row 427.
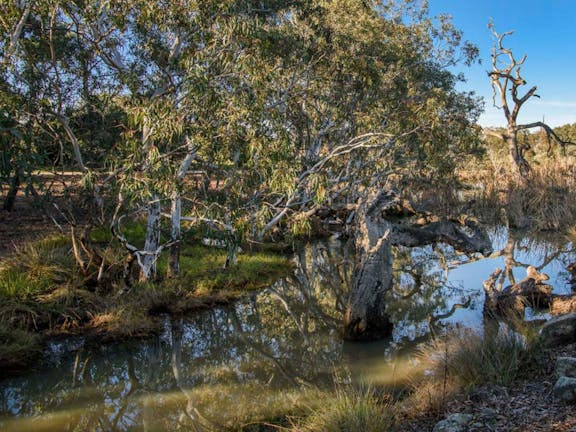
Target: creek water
column 235, row 364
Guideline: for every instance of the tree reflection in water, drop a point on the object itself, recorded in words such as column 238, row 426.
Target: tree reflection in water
column 238, row 364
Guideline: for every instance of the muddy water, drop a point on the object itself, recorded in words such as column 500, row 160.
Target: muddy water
column 230, row 366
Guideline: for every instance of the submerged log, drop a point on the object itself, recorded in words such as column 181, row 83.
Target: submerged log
column 379, row 224
column 513, row 299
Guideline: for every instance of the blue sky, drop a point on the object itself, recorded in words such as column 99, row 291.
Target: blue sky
column 545, row 30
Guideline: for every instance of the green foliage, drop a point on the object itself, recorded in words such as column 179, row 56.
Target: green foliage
column 567, row 133
column 261, row 104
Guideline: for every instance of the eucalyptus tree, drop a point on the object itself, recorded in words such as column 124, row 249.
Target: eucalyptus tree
column 51, row 75
column 22, row 91
column 183, row 70
column 256, row 114
column 280, row 110
column 352, row 96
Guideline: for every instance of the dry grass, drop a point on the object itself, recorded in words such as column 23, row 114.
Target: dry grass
column 472, row 359
column 545, row 201
column 456, row 363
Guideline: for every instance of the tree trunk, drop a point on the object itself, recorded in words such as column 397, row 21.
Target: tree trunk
column 519, row 165
column 174, row 254
column 380, row 224
column 13, row 191
column 366, row 317
column 150, row 253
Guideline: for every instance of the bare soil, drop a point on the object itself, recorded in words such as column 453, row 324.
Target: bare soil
column 23, row 224
column 30, row 219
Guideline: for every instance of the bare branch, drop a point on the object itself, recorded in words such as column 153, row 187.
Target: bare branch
column 550, row 134
column 19, row 27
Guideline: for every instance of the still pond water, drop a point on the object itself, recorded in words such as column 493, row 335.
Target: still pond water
column 230, row 364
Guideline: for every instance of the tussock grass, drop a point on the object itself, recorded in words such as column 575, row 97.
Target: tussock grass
column 472, row 359
column 350, row 409
column 34, row 268
column 428, row 397
column 455, row 363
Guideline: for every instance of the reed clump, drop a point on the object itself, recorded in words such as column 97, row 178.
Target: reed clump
column 545, row 200
column 350, row 409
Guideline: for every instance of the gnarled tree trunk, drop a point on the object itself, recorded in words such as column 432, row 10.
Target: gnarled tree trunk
column 366, row 312
column 379, row 224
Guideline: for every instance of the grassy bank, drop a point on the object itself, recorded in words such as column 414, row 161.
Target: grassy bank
column 446, row 372
column 43, row 293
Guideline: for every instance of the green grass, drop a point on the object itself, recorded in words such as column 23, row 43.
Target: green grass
column 43, row 291
column 133, row 231
column 350, row 409
column 203, row 268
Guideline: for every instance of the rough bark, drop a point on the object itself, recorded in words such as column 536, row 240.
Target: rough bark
column 366, row 316
column 379, row 225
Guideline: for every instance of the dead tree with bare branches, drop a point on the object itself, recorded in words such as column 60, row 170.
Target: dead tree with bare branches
column 506, row 83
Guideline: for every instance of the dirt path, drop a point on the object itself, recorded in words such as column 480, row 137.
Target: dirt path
column 24, row 224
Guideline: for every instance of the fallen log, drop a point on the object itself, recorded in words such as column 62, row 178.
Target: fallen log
column 529, row 292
